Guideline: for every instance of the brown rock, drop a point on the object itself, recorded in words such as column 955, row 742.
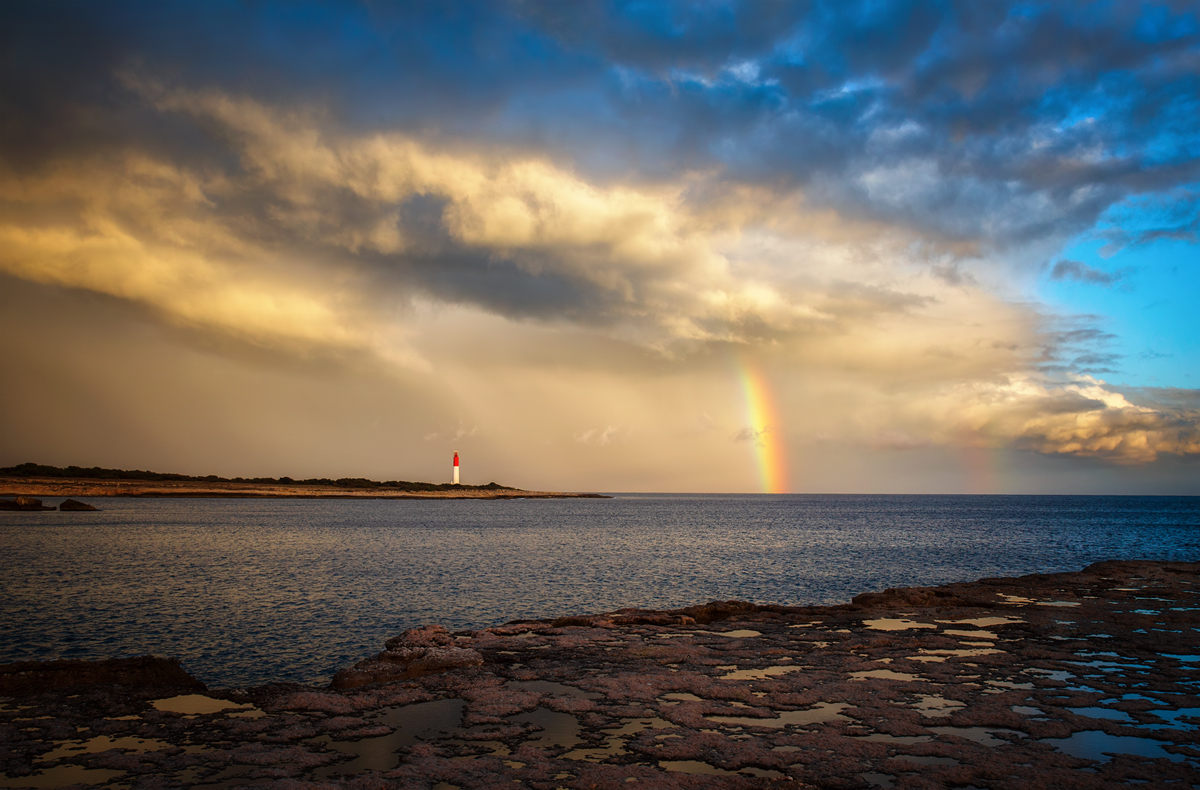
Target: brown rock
column 715, row 611
column 914, row 597
column 416, row 652
column 36, row 677
column 574, row 621
column 71, row 504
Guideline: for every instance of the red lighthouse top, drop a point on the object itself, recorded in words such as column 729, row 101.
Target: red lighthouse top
column 456, row 459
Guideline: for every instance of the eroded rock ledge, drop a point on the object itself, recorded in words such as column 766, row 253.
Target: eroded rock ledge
column 419, row 651
column 1084, row 679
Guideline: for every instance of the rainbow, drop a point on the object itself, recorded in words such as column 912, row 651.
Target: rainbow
column 981, row 465
column 768, row 430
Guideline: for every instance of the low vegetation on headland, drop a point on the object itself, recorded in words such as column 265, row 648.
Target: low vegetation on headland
column 36, row 480
column 97, row 473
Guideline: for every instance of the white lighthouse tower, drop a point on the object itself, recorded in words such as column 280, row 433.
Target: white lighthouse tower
column 456, row 469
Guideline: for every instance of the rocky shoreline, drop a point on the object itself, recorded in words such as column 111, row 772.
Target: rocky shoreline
column 30, row 504
column 1086, row 679
column 87, row 487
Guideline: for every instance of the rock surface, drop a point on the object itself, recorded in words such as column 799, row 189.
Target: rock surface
column 416, row 652
column 38, row 677
column 1079, row 680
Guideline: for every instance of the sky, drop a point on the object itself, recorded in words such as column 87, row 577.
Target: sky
column 780, row 247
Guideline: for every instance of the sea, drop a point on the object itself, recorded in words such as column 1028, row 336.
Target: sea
column 252, row 591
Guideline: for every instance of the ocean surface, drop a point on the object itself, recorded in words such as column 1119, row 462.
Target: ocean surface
column 247, row 592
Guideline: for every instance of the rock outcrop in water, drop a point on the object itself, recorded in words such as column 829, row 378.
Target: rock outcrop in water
column 75, row 505
column 23, row 503
column 39, row 677
column 1080, row 680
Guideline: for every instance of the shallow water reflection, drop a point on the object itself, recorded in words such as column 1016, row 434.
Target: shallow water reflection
column 884, row 674
column 981, row 735
column 895, row 624
column 823, row 711
column 62, row 776
column 410, row 723
column 1100, row 746
column 760, row 674
column 198, row 704
column 557, row 729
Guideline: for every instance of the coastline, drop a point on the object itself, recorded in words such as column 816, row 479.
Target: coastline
column 86, row 487
column 1083, row 679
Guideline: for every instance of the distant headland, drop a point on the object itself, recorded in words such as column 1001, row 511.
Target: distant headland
column 30, row 479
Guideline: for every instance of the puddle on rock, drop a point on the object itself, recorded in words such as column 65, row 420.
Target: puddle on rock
column 1126, row 697
column 984, row 622
column 981, row 735
column 552, row 688
column 895, row 624
column 879, row 780
column 196, row 704
column 1007, row 684
column 102, row 743
column 884, row 674
column 617, row 739
column 823, row 711
column 759, row 674
column 681, row 696
column 1102, row 713
column 1107, row 666
column 557, row 729
column 1100, row 746
column 934, row 706
column 1173, row 717
column 742, row 634
column 1050, row 674
column 410, row 724
column 899, row 740
column 970, row 634
column 62, row 776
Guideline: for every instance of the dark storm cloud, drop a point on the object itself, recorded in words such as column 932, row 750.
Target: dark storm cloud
column 983, row 121
column 997, row 121
column 1173, row 215
column 1076, row 344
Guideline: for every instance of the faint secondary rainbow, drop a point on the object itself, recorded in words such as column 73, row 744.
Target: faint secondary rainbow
column 767, row 436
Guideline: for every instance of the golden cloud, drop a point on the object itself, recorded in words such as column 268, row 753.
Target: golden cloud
column 299, row 248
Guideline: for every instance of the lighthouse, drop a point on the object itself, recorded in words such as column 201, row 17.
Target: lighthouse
column 456, row 469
